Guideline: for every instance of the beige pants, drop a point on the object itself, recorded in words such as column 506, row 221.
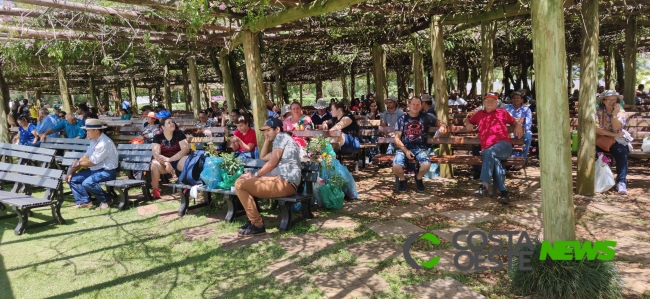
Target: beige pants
column 264, row 187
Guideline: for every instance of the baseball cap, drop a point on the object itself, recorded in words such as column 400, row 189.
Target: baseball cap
column 392, row 98
column 271, row 123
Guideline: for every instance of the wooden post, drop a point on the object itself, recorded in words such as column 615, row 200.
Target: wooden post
column 630, row 61
column 93, row 94
column 553, row 114
column 618, row 62
column 569, row 76
column 379, row 74
column 63, row 89
column 167, row 92
column 344, row 87
column 319, row 87
column 439, row 71
column 106, row 104
column 117, row 98
column 474, row 78
column 488, row 32
column 207, row 94
column 255, row 82
column 368, row 89
column 134, row 95
column 353, row 82
column 611, row 83
column 278, row 86
column 5, row 98
column 38, row 95
column 587, row 111
column 301, row 93
column 196, row 93
column 226, row 77
column 150, row 97
column 186, row 90
column 418, row 71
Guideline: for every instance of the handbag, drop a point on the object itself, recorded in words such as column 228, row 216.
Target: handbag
column 605, row 142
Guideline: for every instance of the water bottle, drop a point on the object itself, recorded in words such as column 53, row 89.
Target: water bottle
column 574, row 141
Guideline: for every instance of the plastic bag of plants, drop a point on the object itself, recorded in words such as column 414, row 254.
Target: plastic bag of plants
column 331, row 196
column 350, row 186
column 229, row 180
column 211, row 175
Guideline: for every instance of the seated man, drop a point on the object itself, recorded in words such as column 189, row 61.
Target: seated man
column 279, row 177
column 411, row 142
column 518, row 110
column 101, row 163
column 71, row 126
column 46, row 122
column 495, row 143
column 204, row 120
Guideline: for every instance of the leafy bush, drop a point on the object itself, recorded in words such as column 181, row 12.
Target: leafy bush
column 566, row 279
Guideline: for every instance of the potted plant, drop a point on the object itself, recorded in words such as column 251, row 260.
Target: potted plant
column 232, row 168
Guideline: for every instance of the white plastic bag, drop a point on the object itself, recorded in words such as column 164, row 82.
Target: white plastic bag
column 317, row 201
column 604, row 176
column 646, row 145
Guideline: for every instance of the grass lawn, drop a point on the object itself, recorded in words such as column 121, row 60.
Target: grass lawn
column 112, row 254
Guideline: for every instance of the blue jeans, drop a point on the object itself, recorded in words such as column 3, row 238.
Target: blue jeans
column 351, row 145
column 492, row 167
column 421, row 156
column 619, row 152
column 87, row 182
column 391, row 149
column 528, row 138
column 244, row 155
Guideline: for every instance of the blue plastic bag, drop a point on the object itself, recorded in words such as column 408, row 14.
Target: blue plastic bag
column 350, row 189
column 211, row 175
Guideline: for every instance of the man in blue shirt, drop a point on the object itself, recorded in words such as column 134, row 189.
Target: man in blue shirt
column 518, row 110
column 46, row 122
column 126, row 104
column 71, row 126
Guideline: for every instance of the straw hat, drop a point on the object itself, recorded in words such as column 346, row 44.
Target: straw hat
column 609, row 93
column 94, row 124
column 286, row 109
column 321, row 104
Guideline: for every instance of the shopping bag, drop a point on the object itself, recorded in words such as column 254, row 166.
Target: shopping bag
column 228, row 181
column 331, row 196
column 604, row 177
column 350, row 188
column 211, row 174
column 646, row 145
column 318, row 202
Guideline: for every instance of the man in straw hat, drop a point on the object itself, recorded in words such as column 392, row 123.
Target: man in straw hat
column 321, row 115
column 99, row 164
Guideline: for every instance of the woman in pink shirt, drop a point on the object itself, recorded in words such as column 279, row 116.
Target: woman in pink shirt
column 495, row 143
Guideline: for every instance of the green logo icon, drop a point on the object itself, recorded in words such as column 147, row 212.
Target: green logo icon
column 407, row 253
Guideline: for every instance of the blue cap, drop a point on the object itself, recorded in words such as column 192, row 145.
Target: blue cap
column 271, row 123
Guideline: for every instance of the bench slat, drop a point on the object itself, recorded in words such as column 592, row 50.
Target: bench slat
column 29, row 149
column 65, row 146
column 31, row 170
column 26, row 155
column 68, row 141
column 135, row 166
column 137, row 147
column 22, row 200
column 30, row 180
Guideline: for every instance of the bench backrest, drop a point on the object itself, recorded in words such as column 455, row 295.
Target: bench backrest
column 453, row 140
column 69, row 157
column 67, row 144
column 30, row 175
column 135, row 156
column 23, row 152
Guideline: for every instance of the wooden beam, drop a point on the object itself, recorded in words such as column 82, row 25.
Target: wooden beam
column 630, row 61
column 196, row 93
column 255, row 82
column 439, row 71
column 553, row 115
column 587, row 112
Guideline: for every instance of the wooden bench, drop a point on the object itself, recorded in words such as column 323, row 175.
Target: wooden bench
column 30, row 176
column 135, row 160
column 65, row 145
column 235, row 209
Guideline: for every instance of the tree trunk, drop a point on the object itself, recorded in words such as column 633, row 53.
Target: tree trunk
column 475, row 77
column 319, row 87
column 194, row 81
column 63, row 89
column 430, row 82
column 368, row 89
column 569, row 76
column 150, row 97
column 241, row 100
column 186, row 89
column 379, row 75
column 134, row 95
column 463, row 77
column 630, row 61
column 278, row 86
column 93, row 91
column 553, row 114
column 207, row 95
column 620, row 74
column 488, row 33
column 587, row 111
column 608, row 71
column 418, row 72
column 38, row 96
column 344, row 87
column 301, row 94
column 353, row 82
column 255, row 83
column 4, row 106
column 506, row 80
column 226, row 80
column 611, row 83
column 167, row 92
column 440, row 82
column 106, row 102
column 523, row 73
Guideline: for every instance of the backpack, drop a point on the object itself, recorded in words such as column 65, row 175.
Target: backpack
column 191, row 174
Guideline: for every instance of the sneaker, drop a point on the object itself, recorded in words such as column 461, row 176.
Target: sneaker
column 622, row 189
column 481, row 191
column 419, row 185
column 155, row 193
column 402, row 186
column 253, row 231
column 503, row 198
column 83, row 205
column 246, row 225
column 105, row 205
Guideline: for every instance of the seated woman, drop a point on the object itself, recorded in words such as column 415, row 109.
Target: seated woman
column 125, row 115
column 355, row 105
column 245, row 141
column 610, row 120
column 297, row 121
column 344, row 121
column 152, row 128
column 495, row 143
column 27, row 132
column 170, row 150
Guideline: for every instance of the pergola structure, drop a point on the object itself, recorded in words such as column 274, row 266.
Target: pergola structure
column 52, row 46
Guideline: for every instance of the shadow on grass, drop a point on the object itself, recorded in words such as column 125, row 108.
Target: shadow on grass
column 5, row 284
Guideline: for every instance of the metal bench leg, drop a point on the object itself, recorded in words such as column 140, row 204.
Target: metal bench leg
column 232, row 207
column 56, row 209
column 396, row 184
column 285, row 207
column 2, row 207
column 146, row 193
column 123, row 195
column 184, row 203
column 23, row 215
column 306, row 208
